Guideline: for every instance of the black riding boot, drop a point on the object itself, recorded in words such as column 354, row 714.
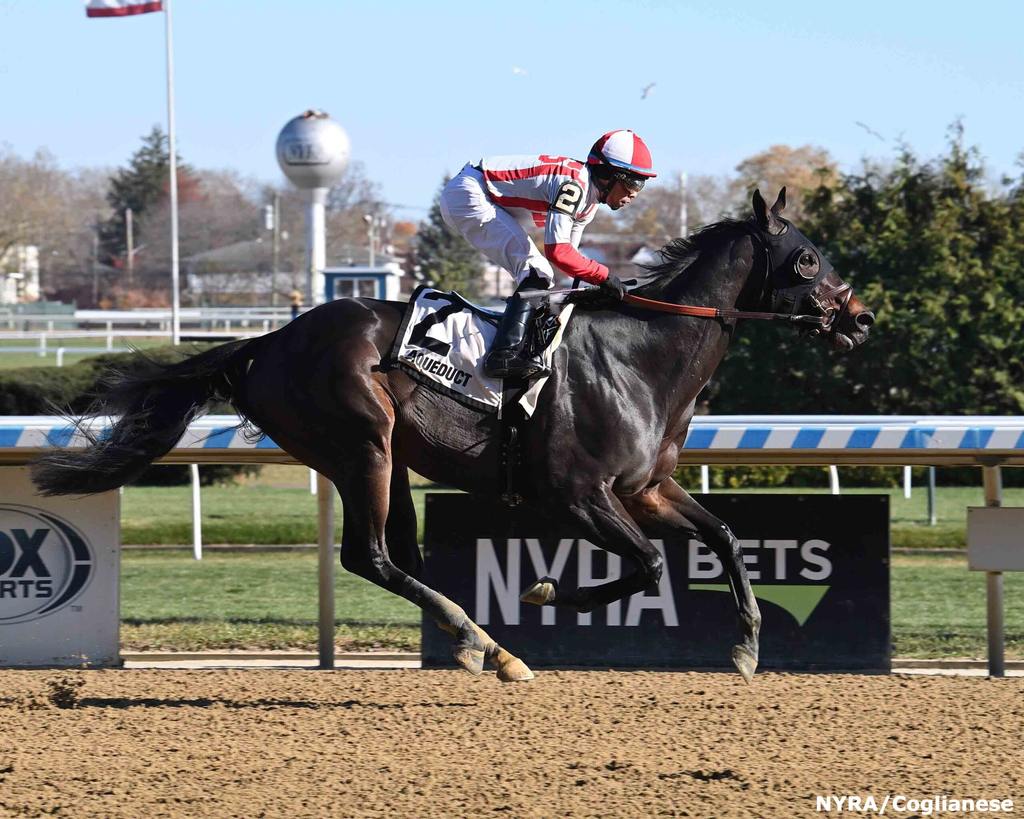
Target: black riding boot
column 508, row 357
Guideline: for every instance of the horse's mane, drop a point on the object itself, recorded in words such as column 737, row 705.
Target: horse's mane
column 680, row 253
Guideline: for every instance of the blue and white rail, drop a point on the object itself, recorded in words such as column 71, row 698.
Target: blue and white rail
column 721, row 439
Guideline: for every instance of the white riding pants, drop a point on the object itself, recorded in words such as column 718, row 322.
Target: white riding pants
column 467, row 209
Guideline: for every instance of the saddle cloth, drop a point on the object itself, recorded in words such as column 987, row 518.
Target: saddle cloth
column 442, row 343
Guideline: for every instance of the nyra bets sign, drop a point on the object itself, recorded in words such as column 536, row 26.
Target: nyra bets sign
column 818, row 565
column 58, row 576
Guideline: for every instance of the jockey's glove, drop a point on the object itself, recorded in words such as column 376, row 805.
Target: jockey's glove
column 613, row 287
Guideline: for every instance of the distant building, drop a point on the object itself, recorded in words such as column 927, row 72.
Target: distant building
column 242, row 274
column 19, row 274
column 382, row 281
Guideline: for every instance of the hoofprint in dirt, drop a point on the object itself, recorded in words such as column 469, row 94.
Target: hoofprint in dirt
column 440, row 743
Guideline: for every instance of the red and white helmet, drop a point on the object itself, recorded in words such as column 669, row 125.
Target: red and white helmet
column 624, row 151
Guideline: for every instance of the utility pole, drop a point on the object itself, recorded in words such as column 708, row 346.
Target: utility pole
column 371, row 232
column 683, row 227
column 130, row 259
column 96, row 262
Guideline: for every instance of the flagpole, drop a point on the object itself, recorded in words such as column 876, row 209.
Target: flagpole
column 175, row 297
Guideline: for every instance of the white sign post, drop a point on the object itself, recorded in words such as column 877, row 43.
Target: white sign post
column 59, row 576
column 994, row 546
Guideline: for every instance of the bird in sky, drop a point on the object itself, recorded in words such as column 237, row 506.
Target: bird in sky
column 871, row 131
column 647, row 90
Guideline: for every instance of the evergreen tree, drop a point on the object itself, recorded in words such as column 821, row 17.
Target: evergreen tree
column 445, row 259
column 140, row 185
column 939, row 256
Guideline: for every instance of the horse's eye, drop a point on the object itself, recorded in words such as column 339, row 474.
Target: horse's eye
column 807, row 265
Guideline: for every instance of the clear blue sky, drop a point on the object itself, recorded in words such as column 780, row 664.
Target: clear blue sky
column 422, row 87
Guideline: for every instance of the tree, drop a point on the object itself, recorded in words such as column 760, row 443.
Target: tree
column 141, row 185
column 443, row 257
column 657, row 215
column 939, row 256
column 53, row 209
column 800, row 170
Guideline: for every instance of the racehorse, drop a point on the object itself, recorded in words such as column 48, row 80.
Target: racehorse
column 599, row 450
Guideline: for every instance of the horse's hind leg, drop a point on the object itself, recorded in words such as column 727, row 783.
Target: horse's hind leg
column 669, row 510
column 400, row 531
column 365, row 482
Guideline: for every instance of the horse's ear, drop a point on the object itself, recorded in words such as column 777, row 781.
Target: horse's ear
column 760, row 210
column 780, row 202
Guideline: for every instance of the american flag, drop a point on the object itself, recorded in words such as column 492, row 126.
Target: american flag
column 121, row 8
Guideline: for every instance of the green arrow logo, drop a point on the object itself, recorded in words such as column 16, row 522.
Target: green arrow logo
column 799, row 601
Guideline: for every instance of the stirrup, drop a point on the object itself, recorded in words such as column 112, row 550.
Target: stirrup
column 513, row 364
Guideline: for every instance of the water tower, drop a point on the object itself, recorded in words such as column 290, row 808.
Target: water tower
column 313, row 151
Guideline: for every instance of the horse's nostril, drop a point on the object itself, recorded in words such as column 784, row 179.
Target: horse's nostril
column 865, row 319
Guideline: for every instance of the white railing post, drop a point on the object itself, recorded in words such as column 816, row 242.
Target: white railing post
column 992, row 478
column 60, row 356
column 325, row 546
column 312, row 482
column 933, row 515
column 833, row 478
column 705, row 479
column 197, row 514
column 907, row 481
column 42, row 345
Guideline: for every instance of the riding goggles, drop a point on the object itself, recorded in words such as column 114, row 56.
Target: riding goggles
column 632, row 183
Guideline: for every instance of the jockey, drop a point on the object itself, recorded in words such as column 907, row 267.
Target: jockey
column 485, row 202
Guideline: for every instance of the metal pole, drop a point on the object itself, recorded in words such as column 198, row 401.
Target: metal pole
column 197, row 514
column 833, row 478
column 129, row 242
column 683, row 217
column 325, row 518
column 175, row 296
column 993, row 481
column 932, row 512
column 908, row 480
column 96, row 264
column 277, row 249
column 705, row 479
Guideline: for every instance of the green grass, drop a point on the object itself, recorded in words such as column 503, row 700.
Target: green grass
column 239, row 600
column 938, row 608
column 13, row 361
column 231, row 514
column 251, row 601
column 261, row 513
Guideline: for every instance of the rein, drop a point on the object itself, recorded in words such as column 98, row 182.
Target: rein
column 719, row 312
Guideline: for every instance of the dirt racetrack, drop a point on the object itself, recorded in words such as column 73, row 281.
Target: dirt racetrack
column 253, row 743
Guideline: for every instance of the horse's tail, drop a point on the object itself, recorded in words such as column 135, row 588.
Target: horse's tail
column 155, row 403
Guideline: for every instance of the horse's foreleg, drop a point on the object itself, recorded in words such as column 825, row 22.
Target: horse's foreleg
column 603, row 520
column 670, row 510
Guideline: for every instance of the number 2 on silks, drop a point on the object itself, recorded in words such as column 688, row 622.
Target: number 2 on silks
column 569, row 196
column 419, row 337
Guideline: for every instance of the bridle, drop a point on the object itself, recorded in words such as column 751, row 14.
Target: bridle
column 819, row 294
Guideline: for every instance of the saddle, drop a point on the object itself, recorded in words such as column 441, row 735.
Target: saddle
column 444, row 338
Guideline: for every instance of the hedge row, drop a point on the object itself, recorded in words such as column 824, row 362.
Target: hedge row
column 50, row 390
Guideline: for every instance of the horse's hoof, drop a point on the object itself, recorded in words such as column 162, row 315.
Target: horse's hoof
column 541, row 593
column 471, row 659
column 745, row 661
column 515, row 670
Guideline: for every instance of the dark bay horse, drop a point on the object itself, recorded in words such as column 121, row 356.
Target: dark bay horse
column 600, row 449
